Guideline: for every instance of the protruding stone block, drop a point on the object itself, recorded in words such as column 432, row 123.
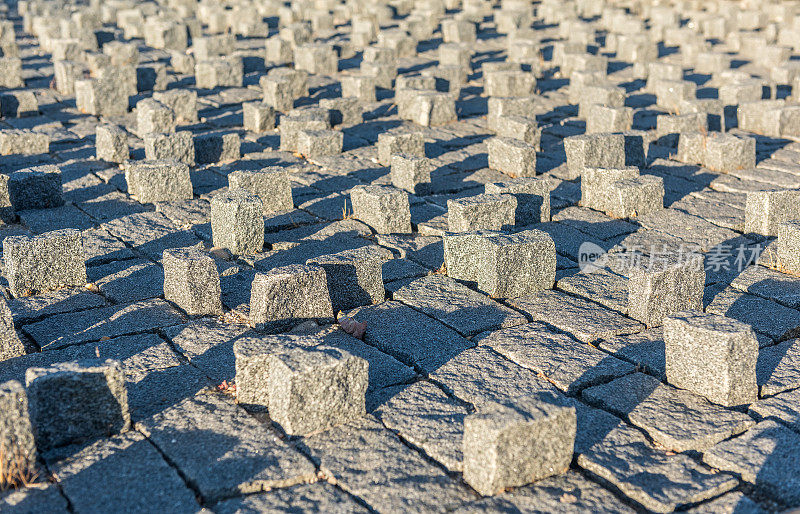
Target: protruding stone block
column 191, row 281
column 111, row 143
column 158, row 181
column 35, row 264
column 237, row 221
column 17, row 445
column 412, row 174
column 383, row 208
column 77, row 401
column 766, row 210
column 481, row 212
column 713, row 356
column 285, row 297
column 662, row 285
column 258, row 116
column 270, row 184
column 533, row 198
column 409, row 143
column 513, row 157
column 178, row 146
column 355, row 277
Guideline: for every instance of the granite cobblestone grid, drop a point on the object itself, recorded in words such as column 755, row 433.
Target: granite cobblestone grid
column 447, row 163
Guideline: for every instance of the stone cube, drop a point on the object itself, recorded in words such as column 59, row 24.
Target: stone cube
column 343, row 111
column 355, row 277
column 100, row 97
column 23, row 142
column 458, row 31
column 151, row 77
column 11, row 72
column 637, row 196
column 502, row 265
column 665, row 284
column 18, row 104
column 166, row 35
column 408, row 143
column 319, row 143
column 35, row 264
column 219, row 72
column 111, row 143
column 182, row 63
column 669, row 128
column 670, row 93
column 217, row 147
column 517, row 442
column 158, row 181
column 412, row 174
column 122, row 53
column 766, row 210
column 359, row 86
column 278, row 92
column 258, row 116
column 788, row 246
column 692, row 147
column 602, row 118
column 153, row 116
column 215, row 45
column 10, row 344
column 17, row 444
column 511, row 83
column 178, row 146
column 316, row 58
column 596, row 183
column 532, row 195
column 429, row 109
column 270, row 184
column 385, row 209
column 600, row 94
column 77, row 401
column 237, row 221
column 711, row 355
column 481, row 212
column 595, row 151
column 35, row 188
column 295, row 121
column 183, row 103
column 519, row 127
column 285, row 297
column 726, row 152
column 509, row 106
column 65, row 73
column 316, row 389
column 279, row 51
column 513, row 157
column 191, row 281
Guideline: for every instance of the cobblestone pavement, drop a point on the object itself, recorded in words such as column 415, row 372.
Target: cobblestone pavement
column 400, row 256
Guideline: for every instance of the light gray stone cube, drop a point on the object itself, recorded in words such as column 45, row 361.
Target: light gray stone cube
column 788, row 246
column 153, row 116
column 183, row 103
column 481, row 212
column 385, row 209
column 517, row 442
column 191, row 281
column 637, row 196
column 316, row 389
column 595, row 151
column 10, row 343
column 726, row 152
column 258, row 116
column 319, row 143
column 237, row 221
column 35, row 264
column 409, row 143
column 16, row 435
column 766, row 210
column 713, row 356
column 355, row 277
column 270, row 184
column 533, row 198
column 111, row 143
column 412, row 174
column 285, row 297
column 519, row 127
column 301, row 119
column 513, row 157
column 178, row 146
column 158, row 181
column 664, row 284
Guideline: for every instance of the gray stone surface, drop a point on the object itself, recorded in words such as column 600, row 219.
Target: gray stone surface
column 222, row 450
column 158, row 181
column 568, row 364
column 287, row 296
column 516, row 443
column 271, row 185
column 777, row 367
column 782, row 322
column 354, row 277
column 385, row 209
column 317, row 497
column 237, row 221
column 766, row 456
column 10, row 343
column 191, row 281
column 16, row 435
column 41, row 263
column 481, row 212
column 456, row 306
column 677, row 420
column 782, row 407
column 711, row 355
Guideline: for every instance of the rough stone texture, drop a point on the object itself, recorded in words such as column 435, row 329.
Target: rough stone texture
column 316, row 389
column 676, row 419
column 533, row 198
column 711, row 355
column 383, row 208
column 10, row 343
column 41, row 263
column 354, row 277
column 515, row 443
column 766, row 210
column 222, row 450
column 481, row 212
column 158, row 181
column 237, row 221
column 289, row 295
column 317, row 497
column 766, row 456
column 191, row 281
column 271, row 185
column 16, row 434
column 76, row 401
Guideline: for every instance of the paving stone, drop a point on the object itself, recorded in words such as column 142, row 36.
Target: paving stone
column 222, row 450
column 150, row 233
column 191, row 281
column 587, row 321
column 319, row 497
column 481, row 212
column 207, row 344
column 354, row 277
column 94, row 324
column 731, row 502
column 456, row 306
column 16, row 435
column 568, row 364
column 676, row 419
column 287, row 296
column 781, row 407
column 10, row 343
column 657, row 481
column 776, row 370
column 782, row 323
column 41, row 263
column 107, row 475
column 645, row 350
column 769, row 284
column 127, row 281
column 37, row 498
column 765, row 456
column 426, row 417
column 371, row 463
